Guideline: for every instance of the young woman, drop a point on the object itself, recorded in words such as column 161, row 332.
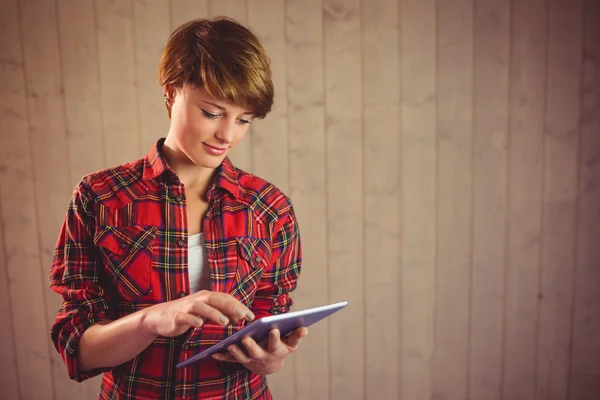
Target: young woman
column 162, row 257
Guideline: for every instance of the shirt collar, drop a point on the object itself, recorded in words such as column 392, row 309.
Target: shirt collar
column 154, row 163
column 226, row 176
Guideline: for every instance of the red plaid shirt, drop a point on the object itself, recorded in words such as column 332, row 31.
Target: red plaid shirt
column 123, row 247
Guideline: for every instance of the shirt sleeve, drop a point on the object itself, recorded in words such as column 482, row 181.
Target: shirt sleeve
column 273, row 292
column 76, row 274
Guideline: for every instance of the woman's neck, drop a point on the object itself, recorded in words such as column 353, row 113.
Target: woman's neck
column 196, row 179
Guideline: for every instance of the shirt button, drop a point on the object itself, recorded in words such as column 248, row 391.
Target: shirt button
column 179, row 198
column 182, row 294
column 258, row 259
column 181, row 242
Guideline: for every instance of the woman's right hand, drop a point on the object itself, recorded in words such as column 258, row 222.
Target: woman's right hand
column 173, row 318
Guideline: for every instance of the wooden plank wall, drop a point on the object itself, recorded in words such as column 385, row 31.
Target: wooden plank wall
column 442, row 156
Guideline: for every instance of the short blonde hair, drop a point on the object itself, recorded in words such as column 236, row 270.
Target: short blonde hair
column 222, row 57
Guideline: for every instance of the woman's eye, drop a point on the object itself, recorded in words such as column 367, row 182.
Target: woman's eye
column 210, row 115
column 244, row 121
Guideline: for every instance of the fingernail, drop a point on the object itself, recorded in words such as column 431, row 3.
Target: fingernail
column 251, row 315
column 240, row 313
column 223, row 320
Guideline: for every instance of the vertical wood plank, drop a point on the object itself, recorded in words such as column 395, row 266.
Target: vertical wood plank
column 152, row 26
column 20, row 40
column 186, row 10
column 418, row 68
column 585, row 368
column 344, row 141
column 79, row 65
column 15, row 166
column 46, row 115
column 81, row 82
column 8, row 378
column 114, row 31
column 492, row 41
column 236, row 9
column 242, row 155
column 454, row 197
column 304, row 48
column 361, row 72
column 527, row 79
column 269, row 136
column 50, row 155
column 561, row 147
column 381, row 112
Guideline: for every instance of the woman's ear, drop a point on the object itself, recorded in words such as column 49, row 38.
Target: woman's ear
column 169, row 97
column 168, row 94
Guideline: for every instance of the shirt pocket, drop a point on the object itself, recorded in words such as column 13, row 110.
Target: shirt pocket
column 254, row 256
column 127, row 257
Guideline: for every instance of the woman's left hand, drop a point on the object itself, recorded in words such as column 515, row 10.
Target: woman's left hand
column 267, row 358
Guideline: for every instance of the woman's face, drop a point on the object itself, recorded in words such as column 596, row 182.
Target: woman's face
column 203, row 128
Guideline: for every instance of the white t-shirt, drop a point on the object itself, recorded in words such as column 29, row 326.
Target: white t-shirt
column 198, row 270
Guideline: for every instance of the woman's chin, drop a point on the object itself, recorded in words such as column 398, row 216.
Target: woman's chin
column 208, row 161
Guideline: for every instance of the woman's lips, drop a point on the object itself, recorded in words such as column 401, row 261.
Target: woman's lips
column 215, row 151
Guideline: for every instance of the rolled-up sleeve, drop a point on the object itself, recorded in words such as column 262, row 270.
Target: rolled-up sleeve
column 273, row 293
column 76, row 274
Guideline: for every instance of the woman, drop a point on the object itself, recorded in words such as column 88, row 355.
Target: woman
column 162, row 257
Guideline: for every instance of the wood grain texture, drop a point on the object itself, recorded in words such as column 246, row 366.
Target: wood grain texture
column 344, row 169
column 307, row 185
column 561, row 152
column 151, row 31
column 585, row 367
column 454, row 197
column 270, row 136
column 8, row 379
column 490, row 119
column 236, row 9
column 49, row 151
column 115, row 33
column 418, row 142
column 81, row 82
column 526, row 124
column 185, row 10
column 14, row 145
column 441, row 156
column 381, row 150
column 20, row 223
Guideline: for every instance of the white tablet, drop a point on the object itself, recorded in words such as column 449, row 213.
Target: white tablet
column 259, row 329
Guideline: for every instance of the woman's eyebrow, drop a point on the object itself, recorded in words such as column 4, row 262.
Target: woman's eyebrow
column 224, row 109
column 215, row 105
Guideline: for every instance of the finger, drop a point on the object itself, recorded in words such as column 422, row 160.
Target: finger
column 293, row 340
column 254, row 350
column 224, row 357
column 229, row 306
column 238, row 354
column 181, row 322
column 188, row 320
column 274, row 340
column 200, row 309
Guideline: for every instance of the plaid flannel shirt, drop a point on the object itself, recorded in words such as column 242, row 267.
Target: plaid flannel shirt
column 123, row 247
